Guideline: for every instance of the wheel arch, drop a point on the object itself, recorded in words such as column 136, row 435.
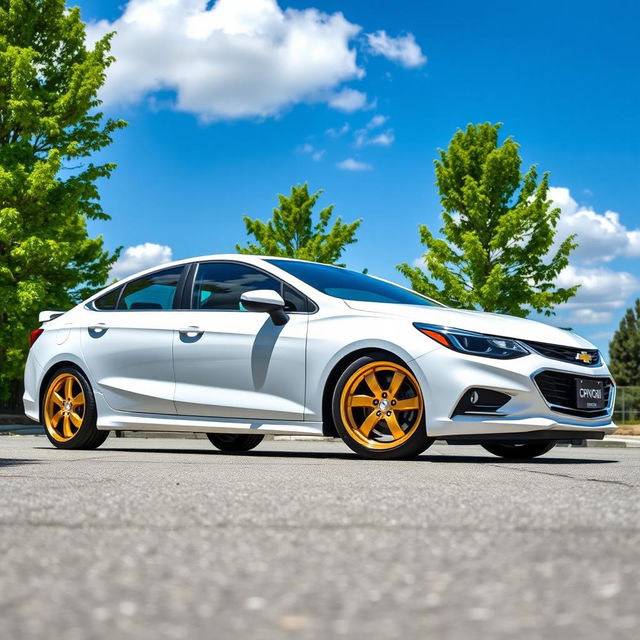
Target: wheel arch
column 328, row 425
column 51, row 372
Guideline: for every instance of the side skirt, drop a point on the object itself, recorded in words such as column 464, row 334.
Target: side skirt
column 194, row 424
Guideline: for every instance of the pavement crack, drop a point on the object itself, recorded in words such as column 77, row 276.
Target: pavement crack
column 620, row 483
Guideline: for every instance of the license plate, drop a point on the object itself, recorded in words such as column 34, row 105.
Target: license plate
column 590, row 394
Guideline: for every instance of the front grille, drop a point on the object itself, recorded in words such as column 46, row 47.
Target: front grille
column 566, row 354
column 559, row 390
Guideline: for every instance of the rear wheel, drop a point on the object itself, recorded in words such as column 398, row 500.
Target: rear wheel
column 235, row 443
column 378, row 409
column 69, row 412
column 519, row 449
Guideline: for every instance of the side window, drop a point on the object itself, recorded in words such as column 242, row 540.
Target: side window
column 153, row 292
column 219, row 285
column 294, row 301
column 108, row 301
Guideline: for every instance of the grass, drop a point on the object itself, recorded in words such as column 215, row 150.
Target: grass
column 628, row 430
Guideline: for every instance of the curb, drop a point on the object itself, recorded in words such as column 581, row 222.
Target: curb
column 616, row 442
column 12, row 419
column 21, row 429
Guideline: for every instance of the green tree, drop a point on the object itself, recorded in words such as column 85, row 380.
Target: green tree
column 624, row 349
column 292, row 233
column 49, row 127
column 498, row 230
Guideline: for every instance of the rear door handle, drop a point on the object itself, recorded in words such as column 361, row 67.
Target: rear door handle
column 193, row 331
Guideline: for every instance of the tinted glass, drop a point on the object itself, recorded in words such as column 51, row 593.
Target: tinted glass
column 155, row 292
column 218, row 286
column 108, row 301
column 350, row 285
column 294, row 301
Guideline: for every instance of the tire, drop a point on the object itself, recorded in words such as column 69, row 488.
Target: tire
column 69, row 411
column 520, row 450
column 235, row 443
column 374, row 386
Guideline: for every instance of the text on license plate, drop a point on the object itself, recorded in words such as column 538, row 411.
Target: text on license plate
column 590, row 394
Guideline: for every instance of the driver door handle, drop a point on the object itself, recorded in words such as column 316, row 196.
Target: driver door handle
column 185, row 331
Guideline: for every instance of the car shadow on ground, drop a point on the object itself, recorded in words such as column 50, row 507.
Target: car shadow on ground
column 335, row 455
column 17, row 462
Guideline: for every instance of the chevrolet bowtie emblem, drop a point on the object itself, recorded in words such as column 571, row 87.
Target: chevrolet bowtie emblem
column 583, row 356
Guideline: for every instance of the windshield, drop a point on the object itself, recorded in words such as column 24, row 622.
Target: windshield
column 350, row 285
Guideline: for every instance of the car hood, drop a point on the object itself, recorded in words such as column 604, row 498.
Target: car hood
column 490, row 323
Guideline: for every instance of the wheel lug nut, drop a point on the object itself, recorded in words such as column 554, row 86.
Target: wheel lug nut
column 393, row 402
column 384, row 395
column 378, row 413
column 375, row 402
column 388, row 413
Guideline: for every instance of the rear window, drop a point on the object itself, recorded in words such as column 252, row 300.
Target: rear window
column 155, row 292
column 108, row 301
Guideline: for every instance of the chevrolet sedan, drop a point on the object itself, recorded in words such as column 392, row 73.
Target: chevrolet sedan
column 238, row 347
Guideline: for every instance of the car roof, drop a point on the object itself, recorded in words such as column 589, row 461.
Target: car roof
column 236, row 257
column 248, row 257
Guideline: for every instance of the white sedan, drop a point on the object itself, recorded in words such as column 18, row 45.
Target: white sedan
column 242, row 346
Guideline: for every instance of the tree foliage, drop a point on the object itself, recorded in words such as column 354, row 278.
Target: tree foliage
column 624, row 349
column 292, row 233
column 498, row 228
column 49, row 127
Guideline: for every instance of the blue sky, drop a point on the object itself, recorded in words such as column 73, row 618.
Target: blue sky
column 230, row 103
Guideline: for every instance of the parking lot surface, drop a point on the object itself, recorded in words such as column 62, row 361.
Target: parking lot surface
column 170, row 538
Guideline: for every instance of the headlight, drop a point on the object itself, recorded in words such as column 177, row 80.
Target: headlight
column 475, row 344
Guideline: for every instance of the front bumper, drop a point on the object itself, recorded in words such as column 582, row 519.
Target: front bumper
column 446, row 375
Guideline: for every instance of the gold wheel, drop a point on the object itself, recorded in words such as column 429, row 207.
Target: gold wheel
column 64, row 407
column 381, row 405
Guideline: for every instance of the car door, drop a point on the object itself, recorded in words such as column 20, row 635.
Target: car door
column 128, row 342
column 232, row 363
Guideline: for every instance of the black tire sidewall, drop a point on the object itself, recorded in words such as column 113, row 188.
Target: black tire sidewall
column 519, row 451
column 89, row 436
column 413, row 447
column 241, row 442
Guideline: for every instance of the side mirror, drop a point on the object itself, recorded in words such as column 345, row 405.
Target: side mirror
column 266, row 301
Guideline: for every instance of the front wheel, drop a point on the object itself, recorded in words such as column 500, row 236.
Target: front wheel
column 235, row 443
column 378, row 409
column 514, row 450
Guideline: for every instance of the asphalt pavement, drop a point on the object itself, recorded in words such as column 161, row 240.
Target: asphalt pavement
column 173, row 539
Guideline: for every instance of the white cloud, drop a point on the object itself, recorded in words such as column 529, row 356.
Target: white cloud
column 383, row 139
column 601, row 237
column 589, row 316
column 353, row 165
column 336, row 133
column 377, row 121
column 403, row 50
column 309, row 149
column 602, row 292
column 140, row 257
column 600, row 335
column 235, row 59
column 348, row 100
column 364, row 138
